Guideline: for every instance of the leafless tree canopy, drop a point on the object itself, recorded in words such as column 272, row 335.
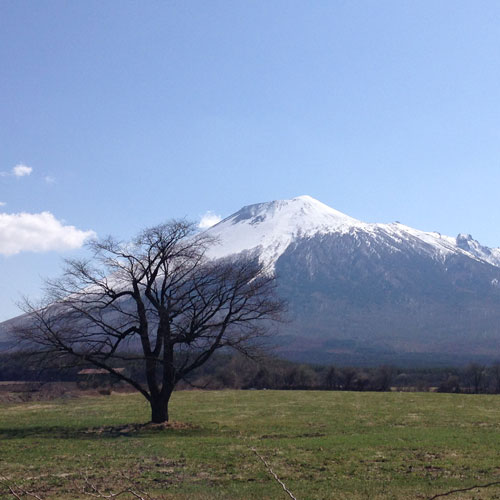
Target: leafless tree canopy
column 158, row 297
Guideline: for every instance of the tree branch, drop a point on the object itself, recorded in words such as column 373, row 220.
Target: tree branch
column 283, row 485
column 476, row 486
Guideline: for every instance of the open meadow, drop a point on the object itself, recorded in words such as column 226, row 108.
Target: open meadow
column 322, row 445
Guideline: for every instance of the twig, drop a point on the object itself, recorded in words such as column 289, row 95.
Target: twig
column 4, row 481
column 136, row 493
column 99, row 494
column 93, row 493
column 464, row 489
column 290, row 494
column 14, row 493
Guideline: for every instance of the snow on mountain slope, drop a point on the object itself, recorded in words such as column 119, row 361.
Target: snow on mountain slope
column 267, row 229
column 439, row 245
column 470, row 245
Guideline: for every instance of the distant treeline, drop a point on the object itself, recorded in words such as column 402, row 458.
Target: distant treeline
column 239, row 373
column 236, row 372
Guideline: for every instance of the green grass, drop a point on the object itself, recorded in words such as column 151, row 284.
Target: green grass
column 323, row 445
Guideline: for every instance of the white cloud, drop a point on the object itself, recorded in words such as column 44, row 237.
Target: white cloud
column 21, row 170
column 209, row 220
column 25, row 232
column 49, row 180
column 2, row 203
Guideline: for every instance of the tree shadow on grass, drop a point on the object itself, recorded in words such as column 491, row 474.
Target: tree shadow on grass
column 107, row 431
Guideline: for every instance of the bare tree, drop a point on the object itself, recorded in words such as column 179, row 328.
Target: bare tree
column 475, row 374
column 495, row 376
column 156, row 299
column 332, row 379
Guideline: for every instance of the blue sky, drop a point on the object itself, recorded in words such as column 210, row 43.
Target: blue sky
column 131, row 113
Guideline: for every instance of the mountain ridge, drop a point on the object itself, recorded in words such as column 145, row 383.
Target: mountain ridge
column 317, row 218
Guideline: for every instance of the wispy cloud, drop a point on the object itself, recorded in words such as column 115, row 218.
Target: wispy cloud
column 49, row 180
column 39, row 232
column 209, row 220
column 20, row 170
column 2, row 203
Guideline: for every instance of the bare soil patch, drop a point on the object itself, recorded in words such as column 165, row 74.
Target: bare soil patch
column 110, row 430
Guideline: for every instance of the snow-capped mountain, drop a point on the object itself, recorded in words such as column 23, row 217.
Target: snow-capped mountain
column 269, row 228
column 371, row 288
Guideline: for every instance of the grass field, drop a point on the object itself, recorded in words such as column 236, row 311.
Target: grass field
column 322, row 445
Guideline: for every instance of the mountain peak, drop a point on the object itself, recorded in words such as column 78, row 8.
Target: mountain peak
column 269, row 227
column 304, row 210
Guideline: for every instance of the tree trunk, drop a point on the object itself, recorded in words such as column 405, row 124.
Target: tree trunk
column 159, row 409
